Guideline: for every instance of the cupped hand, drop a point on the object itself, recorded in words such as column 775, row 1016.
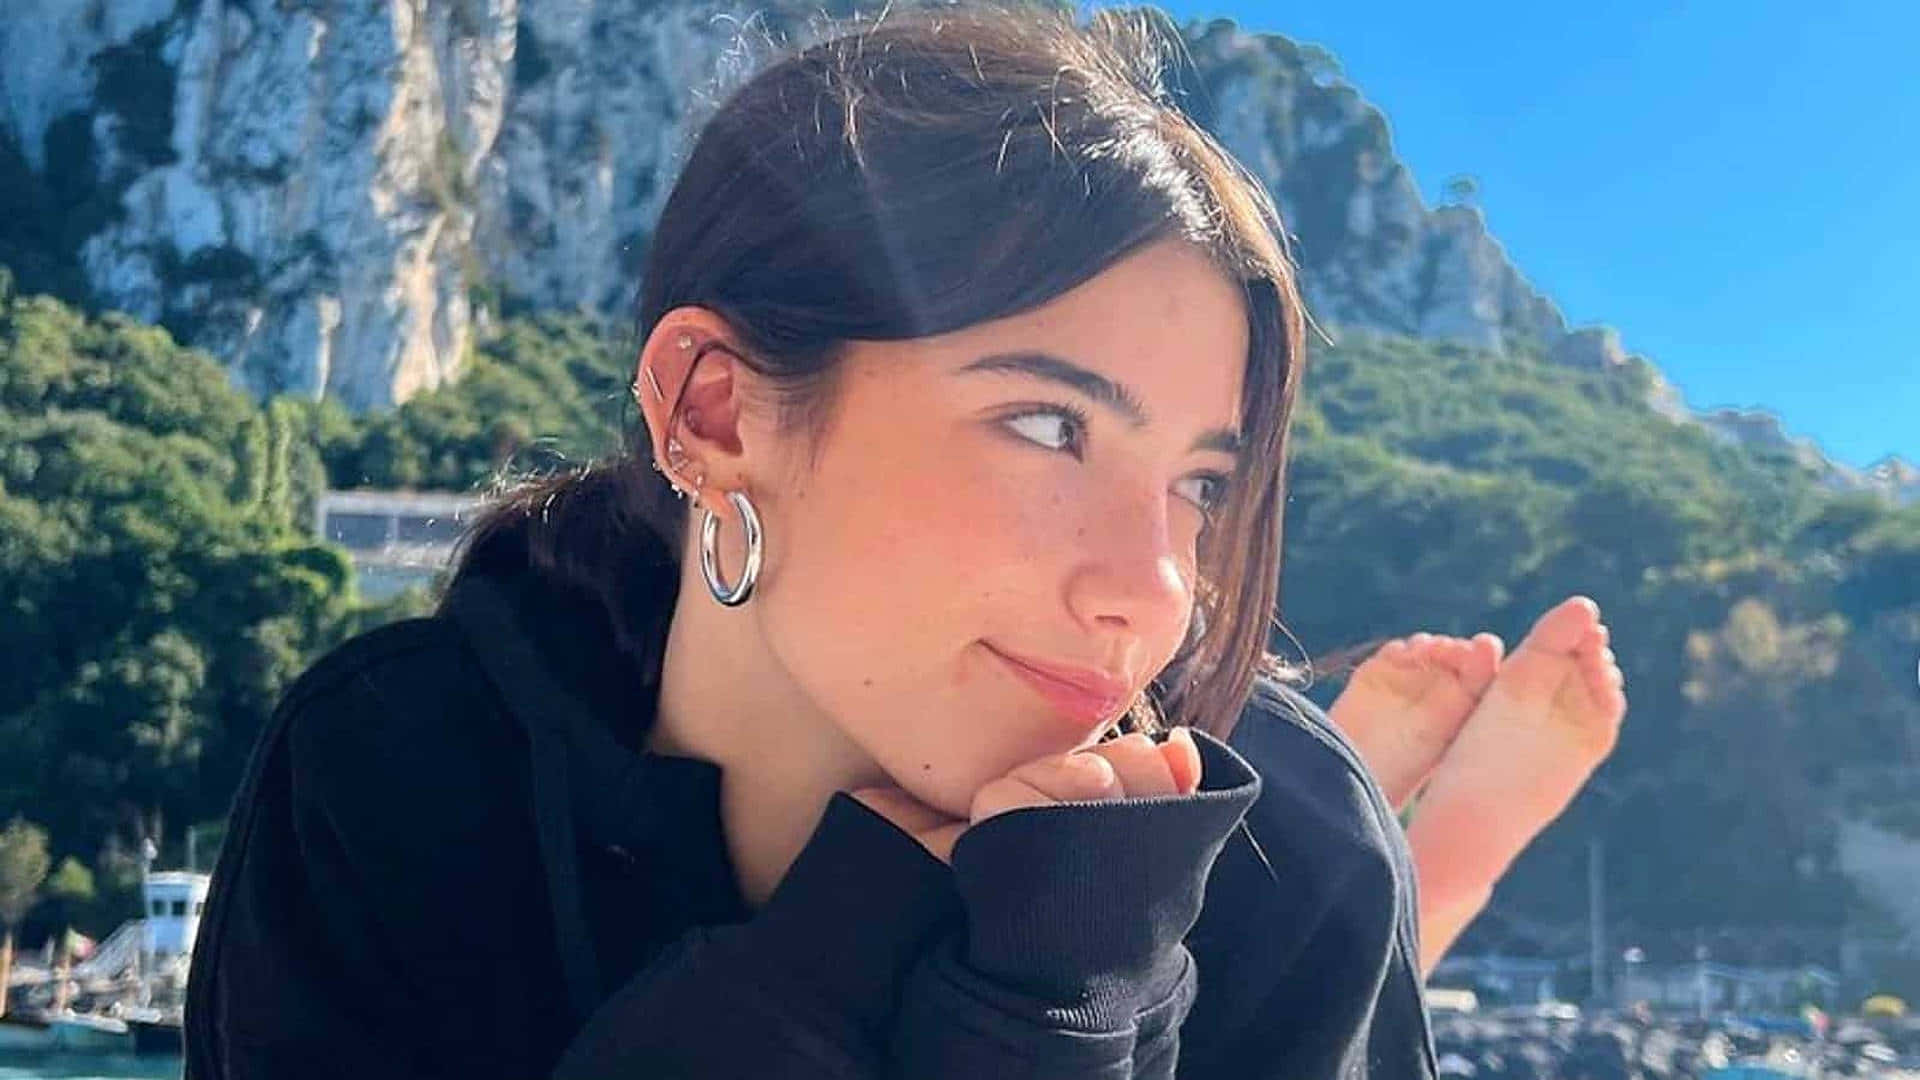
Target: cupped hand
column 1131, row 766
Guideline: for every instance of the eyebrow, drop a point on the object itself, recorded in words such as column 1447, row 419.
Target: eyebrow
column 1098, row 387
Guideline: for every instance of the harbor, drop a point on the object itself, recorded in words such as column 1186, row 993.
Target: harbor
column 110, row 1009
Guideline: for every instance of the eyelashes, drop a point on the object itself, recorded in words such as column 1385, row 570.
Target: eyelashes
column 1214, row 494
column 1055, row 427
column 1062, row 427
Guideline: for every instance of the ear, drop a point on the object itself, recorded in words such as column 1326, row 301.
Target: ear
column 690, row 383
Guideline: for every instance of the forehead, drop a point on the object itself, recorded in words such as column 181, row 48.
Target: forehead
column 1164, row 321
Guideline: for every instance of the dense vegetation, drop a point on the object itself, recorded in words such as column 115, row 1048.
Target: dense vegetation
column 1767, row 627
column 159, row 587
column 159, row 583
column 544, row 390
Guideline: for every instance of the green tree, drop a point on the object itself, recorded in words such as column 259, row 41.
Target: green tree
column 23, row 867
column 158, row 585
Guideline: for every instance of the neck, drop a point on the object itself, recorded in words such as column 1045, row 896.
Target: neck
column 725, row 698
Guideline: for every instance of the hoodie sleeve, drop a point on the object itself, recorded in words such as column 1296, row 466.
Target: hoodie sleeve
column 806, row 988
column 1068, row 963
column 1072, row 962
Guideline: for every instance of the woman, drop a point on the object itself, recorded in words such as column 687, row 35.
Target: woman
column 976, row 358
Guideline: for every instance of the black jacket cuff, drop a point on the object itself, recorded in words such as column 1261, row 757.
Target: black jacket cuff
column 854, row 911
column 1088, row 902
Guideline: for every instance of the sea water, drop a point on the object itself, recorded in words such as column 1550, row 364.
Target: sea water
column 19, row 1066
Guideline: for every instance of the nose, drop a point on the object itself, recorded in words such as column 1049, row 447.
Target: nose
column 1130, row 579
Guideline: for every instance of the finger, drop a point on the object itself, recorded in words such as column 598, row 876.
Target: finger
column 1067, row 777
column 1183, row 760
column 1138, row 762
column 1007, row 793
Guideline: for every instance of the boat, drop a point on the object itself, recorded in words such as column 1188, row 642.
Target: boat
column 20, row 1032
column 131, row 984
column 154, row 1032
column 82, row 1033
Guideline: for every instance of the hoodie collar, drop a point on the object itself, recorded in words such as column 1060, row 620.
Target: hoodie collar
column 586, row 709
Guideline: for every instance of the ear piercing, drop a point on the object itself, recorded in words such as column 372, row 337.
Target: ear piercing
column 676, row 463
column 676, row 451
column 685, row 342
column 677, row 458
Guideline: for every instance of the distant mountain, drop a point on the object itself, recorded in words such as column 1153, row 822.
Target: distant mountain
column 333, row 197
column 1891, row 476
column 1897, row 475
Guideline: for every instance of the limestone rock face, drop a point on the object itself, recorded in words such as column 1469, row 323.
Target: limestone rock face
column 329, row 195
column 606, row 98
column 1892, row 477
column 1372, row 253
column 292, row 180
column 1590, row 348
column 319, row 192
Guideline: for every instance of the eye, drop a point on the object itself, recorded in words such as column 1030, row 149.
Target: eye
column 1206, row 490
column 1056, row 427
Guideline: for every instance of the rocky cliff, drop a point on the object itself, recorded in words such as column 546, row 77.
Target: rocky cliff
column 334, row 196
column 323, row 192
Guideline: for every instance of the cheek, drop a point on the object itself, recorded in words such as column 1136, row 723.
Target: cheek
column 882, row 566
column 883, row 579
column 947, row 530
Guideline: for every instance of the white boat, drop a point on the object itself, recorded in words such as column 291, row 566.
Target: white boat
column 82, row 1034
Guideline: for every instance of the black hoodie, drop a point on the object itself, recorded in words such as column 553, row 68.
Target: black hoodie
column 450, row 856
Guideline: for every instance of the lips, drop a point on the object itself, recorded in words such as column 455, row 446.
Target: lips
column 1084, row 695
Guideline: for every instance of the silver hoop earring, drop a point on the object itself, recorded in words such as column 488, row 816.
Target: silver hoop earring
column 740, row 592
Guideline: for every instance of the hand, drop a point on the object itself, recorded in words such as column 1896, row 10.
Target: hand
column 1131, row 766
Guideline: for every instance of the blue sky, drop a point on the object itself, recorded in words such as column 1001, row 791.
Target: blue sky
column 1734, row 184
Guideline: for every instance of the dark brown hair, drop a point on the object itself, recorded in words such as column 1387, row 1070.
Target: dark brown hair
column 930, row 170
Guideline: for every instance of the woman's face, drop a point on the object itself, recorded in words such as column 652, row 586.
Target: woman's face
column 992, row 549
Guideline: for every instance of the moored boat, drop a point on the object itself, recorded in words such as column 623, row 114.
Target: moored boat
column 19, row 1032
column 79, row 1033
column 153, row 1032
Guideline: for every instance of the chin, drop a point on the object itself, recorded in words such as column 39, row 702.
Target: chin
column 945, row 778
column 954, row 802
column 951, row 790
